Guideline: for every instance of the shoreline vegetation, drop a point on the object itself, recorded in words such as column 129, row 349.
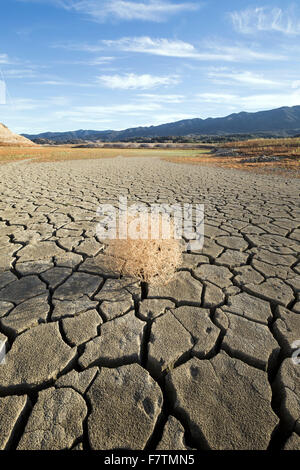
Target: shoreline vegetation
column 280, row 156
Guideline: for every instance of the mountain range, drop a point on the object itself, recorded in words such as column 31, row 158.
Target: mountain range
column 280, row 121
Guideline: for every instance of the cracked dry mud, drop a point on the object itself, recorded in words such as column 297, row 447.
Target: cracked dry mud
column 97, row 362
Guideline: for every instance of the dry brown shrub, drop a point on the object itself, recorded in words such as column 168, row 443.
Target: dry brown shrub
column 149, row 260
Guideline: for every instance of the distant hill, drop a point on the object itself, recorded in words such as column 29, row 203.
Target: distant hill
column 8, row 138
column 281, row 121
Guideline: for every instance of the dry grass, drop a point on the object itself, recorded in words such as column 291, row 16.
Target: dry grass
column 288, row 166
column 66, row 153
column 289, row 147
column 149, row 260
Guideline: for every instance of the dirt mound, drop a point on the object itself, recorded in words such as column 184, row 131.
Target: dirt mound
column 8, row 138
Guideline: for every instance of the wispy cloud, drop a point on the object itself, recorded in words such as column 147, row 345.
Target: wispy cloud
column 4, row 59
column 170, row 99
column 163, row 118
column 159, row 46
column 110, row 111
column 210, row 50
column 295, row 84
column 30, row 104
column 251, row 102
column 148, row 114
column 61, row 82
column 241, row 53
column 244, row 78
column 133, row 81
column 100, row 60
column 59, row 109
column 150, row 10
column 266, row 19
column 215, row 97
column 93, row 62
column 20, row 73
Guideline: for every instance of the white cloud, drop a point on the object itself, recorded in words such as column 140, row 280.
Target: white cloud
column 143, row 44
column 100, row 60
column 296, row 84
column 132, row 81
column 59, row 82
column 171, row 117
column 21, row 104
column 245, row 78
column 101, row 112
column 20, row 73
column 3, row 59
column 266, row 19
column 215, row 97
column 210, row 51
column 160, row 46
column 241, row 53
column 93, row 62
column 29, row 104
column 251, row 102
column 147, row 10
column 151, row 10
column 162, row 98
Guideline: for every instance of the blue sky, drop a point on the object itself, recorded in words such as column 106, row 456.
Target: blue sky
column 98, row 64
